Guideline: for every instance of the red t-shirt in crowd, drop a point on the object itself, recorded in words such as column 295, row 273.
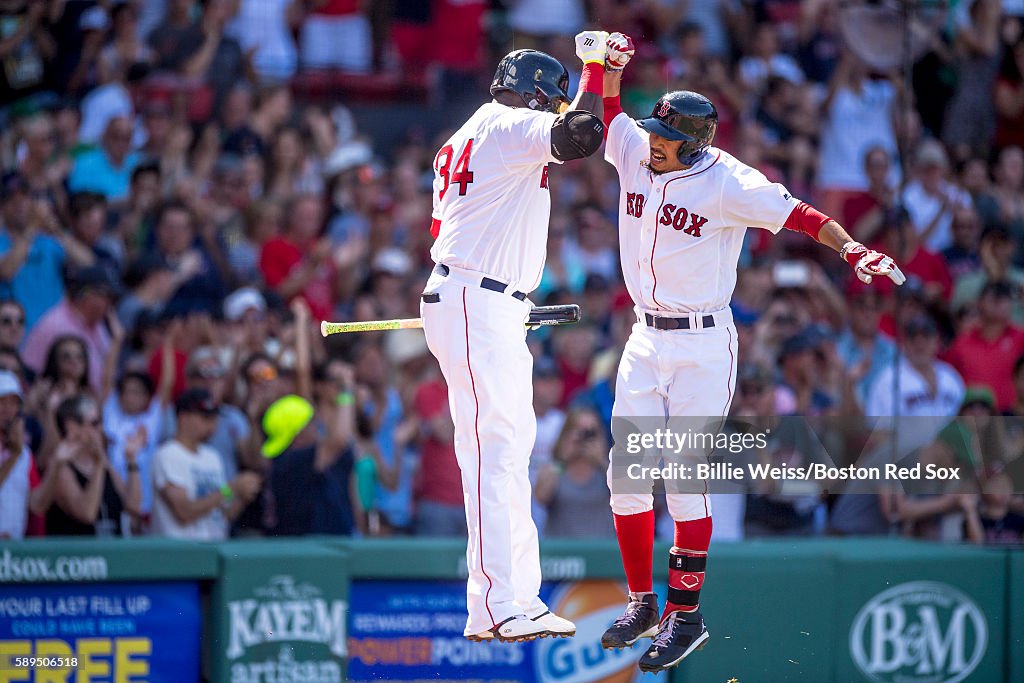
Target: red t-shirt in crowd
column 573, row 381
column 338, row 8
column 440, row 480
column 855, row 206
column 280, row 257
column 156, row 364
column 989, row 362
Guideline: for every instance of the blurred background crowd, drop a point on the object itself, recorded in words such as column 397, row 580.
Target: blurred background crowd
column 189, row 186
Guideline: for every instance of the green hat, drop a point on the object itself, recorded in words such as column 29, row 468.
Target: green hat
column 979, row 393
column 283, row 421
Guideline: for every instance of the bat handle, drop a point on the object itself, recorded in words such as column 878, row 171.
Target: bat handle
column 323, row 328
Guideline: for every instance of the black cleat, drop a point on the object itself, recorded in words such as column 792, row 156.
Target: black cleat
column 639, row 621
column 680, row 634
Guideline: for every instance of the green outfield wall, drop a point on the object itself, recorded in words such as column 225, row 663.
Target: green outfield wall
column 324, row 609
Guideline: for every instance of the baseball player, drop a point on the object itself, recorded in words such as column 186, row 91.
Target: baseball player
column 490, row 221
column 684, row 207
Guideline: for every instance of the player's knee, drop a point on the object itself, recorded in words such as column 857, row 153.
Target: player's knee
column 576, row 134
column 630, row 504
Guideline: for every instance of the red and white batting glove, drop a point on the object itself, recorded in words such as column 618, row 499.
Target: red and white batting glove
column 867, row 263
column 619, row 51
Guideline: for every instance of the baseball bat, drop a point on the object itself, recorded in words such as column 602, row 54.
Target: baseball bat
column 563, row 314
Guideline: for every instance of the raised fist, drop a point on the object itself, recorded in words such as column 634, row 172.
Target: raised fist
column 619, row 51
column 590, row 46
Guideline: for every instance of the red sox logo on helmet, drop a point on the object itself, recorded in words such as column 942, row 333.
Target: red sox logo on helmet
column 664, row 109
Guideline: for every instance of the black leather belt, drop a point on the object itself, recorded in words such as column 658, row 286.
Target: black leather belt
column 485, row 283
column 659, row 323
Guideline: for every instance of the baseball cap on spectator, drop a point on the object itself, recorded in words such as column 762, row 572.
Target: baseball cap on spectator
column 92, row 278
column 243, row 300
column 204, row 363
column 920, row 325
column 11, row 183
column 931, row 153
column 802, row 341
column 347, row 156
column 392, row 261
column 94, row 19
column 978, row 394
column 998, row 288
column 9, row 384
column 144, row 267
column 284, row 419
column 544, row 367
column 196, row 401
column 402, row 346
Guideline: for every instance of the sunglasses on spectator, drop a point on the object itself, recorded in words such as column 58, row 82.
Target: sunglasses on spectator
column 265, row 374
column 7, row 320
column 71, row 355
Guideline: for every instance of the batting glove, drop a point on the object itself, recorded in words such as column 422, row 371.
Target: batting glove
column 867, row 263
column 590, row 46
column 619, row 51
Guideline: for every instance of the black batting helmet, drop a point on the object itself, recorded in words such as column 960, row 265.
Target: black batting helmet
column 687, row 116
column 538, row 78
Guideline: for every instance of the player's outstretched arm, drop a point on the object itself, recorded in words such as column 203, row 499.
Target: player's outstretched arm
column 578, row 131
column 618, row 52
column 866, row 263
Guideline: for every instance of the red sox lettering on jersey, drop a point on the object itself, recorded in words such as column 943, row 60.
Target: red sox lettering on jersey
column 686, row 227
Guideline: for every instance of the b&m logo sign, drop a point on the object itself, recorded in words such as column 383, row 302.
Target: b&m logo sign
column 919, row 632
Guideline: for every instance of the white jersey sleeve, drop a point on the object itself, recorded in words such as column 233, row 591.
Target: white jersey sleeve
column 626, row 145
column 751, row 200
column 525, row 137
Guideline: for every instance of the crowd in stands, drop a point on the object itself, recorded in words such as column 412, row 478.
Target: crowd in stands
column 177, row 215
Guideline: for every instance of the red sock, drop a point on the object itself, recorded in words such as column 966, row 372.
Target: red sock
column 686, row 562
column 636, row 545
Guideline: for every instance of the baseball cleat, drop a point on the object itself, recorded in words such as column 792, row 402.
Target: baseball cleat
column 517, row 629
column 639, row 621
column 680, row 634
column 556, row 626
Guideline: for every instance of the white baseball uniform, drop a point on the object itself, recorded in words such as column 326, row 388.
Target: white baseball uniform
column 680, row 236
column 491, row 212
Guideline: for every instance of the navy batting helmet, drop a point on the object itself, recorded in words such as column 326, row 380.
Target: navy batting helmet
column 538, row 78
column 687, row 116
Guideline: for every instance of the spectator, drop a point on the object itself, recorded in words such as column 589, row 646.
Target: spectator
column 573, row 485
column 194, row 499
column 926, row 389
column 440, row 509
column 91, row 496
column 25, row 48
column 857, row 115
column 863, row 209
column 916, row 260
column 1009, row 93
column 931, row 198
column 765, row 60
column 994, row 522
column 12, row 323
column 962, row 257
column 32, row 251
column 1008, row 190
column 298, row 263
column 535, row 19
column 21, row 489
column 88, row 225
column 232, row 437
column 864, row 351
column 262, row 223
column 82, row 313
column 264, row 28
column 336, row 34
column 43, row 170
column 985, row 354
column 151, row 283
column 194, row 259
column 107, row 170
column 996, row 252
column 310, row 469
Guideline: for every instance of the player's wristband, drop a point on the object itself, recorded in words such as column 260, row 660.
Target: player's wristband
column 227, row 493
column 592, row 78
column 851, row 252
column 345, row 398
